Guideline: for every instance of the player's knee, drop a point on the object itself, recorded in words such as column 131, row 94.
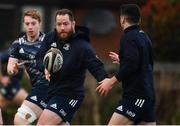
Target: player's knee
column 25, row 115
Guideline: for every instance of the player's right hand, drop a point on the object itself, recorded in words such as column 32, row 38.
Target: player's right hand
column 47, row 74
column 15, row 68
column 104, row 87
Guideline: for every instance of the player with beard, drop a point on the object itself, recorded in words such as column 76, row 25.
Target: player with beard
column 66, row 91
column 22, row 54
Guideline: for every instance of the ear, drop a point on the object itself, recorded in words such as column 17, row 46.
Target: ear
column 40, row 24
column 73, row 23
column 123, row 19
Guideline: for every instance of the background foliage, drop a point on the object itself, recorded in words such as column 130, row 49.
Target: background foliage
column 161, row 18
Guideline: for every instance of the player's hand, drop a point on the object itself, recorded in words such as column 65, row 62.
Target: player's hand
column 115, row 57
column 104, row 87
column 47, row 74
column 15, row 67
column 5, row 80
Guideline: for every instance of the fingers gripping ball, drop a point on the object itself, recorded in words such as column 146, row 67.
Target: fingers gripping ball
column 53, row 60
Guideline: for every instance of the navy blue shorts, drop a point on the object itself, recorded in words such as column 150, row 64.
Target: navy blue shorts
column 137, row 109
column 10, row 91
column 38, row 95
column 64, row 106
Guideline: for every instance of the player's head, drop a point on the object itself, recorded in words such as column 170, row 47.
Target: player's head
column 65, row 23
column 129, row 13
column 31, row 21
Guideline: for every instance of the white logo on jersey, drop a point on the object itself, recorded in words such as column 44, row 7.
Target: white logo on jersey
column 38, row 46
column 3, row 91
column 130, row 113
column 31, row 56
column 97, row 57
column 43, row 103
column 139, row 102
column 21, row 50
column 62, row 112
column 141, row 31
column 14, row 90
column 73, row 102
column 33, row 98
column 120, row 108
column 54, row 44
column 54, row 106
column 66, row 46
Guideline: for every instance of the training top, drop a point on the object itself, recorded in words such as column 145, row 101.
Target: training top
column 78, row 55
column 136, row 63
column 26, row 51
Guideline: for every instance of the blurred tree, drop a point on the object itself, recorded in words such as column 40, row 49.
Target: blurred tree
column 161, row 18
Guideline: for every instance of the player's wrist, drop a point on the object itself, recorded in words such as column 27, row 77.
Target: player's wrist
column 113, row 80
column 13, row 72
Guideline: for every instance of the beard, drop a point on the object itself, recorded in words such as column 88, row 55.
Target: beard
column 65, row 35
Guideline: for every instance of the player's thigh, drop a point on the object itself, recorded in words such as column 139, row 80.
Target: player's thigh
column 118, row 119
column 37, row 110
column 20, row 97
column 48, row 117
column 27, row 113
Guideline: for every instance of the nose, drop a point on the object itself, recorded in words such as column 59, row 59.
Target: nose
column 30, row 26
column 62, row 27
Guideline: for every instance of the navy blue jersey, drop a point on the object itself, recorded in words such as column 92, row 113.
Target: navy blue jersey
column 24, row 50
column 136, row 63
column 78, row 55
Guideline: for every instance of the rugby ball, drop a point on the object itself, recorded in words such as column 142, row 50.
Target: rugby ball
column 53, row 60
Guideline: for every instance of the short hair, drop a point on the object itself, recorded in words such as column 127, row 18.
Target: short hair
column 32, row 13
column 64, row 12
column 131, row 11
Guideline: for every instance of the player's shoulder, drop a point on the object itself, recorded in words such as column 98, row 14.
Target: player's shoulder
column 42, row 36
column 50, row 36
column 20, row 40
